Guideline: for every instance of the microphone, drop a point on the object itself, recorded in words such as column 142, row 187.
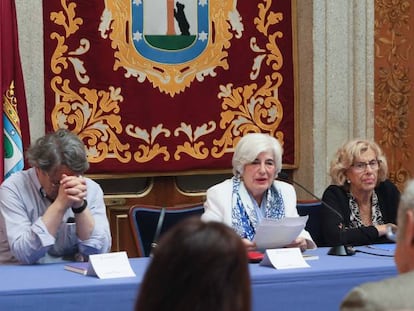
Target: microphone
column 160, row 223
column 284, row 177
column 340, row 250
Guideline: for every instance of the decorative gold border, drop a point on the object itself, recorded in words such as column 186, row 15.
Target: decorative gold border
column 95, row 114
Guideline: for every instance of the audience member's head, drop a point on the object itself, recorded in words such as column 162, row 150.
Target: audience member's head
column 404, row 253
column 394, row 293
column 197, row 266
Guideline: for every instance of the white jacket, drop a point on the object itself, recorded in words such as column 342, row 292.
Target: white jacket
column 218, row 204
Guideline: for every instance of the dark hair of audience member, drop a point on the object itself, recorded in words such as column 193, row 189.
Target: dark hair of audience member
column 197, row 266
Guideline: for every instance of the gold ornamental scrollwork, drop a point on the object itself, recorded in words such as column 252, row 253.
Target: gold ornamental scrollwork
column 254, row 108
column 92, row 114
column 148, row 149
column 95, row 114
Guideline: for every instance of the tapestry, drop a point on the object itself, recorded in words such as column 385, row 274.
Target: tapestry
column 13, row 110
column 169, row 86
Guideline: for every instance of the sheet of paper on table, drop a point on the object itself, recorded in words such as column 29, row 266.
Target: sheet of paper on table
column 284, row 258
column 276, row 233
column 104, row 266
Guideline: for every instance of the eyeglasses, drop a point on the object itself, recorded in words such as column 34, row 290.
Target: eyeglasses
column 362, row 166
column 54, row 183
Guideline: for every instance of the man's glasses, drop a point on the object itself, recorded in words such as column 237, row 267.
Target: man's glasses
column 362, row 166
column 54, row 183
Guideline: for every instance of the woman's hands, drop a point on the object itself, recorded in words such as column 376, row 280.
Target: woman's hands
column 299, row 242
column 250, row 246
column 383, row 229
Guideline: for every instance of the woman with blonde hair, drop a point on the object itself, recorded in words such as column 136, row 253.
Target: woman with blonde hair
column 362, row 194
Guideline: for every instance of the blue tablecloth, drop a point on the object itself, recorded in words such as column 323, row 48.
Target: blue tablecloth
column 320, row 287
column 324, row 284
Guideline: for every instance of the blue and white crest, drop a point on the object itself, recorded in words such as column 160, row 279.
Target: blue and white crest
column 170, row 43
column 168, row 31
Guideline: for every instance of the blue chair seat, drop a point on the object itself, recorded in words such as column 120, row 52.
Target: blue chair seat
column 144, row 220
column 312, row 208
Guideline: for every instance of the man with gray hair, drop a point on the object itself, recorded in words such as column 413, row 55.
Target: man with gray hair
column 394, row 293
column 50, row 211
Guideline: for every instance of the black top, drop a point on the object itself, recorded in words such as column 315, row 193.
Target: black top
column 337, row 198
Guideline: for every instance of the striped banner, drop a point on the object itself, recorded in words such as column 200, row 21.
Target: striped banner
column 14, row 121
column 13, row 144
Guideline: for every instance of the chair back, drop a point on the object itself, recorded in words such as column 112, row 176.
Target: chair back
column 312, row 208
column 149, row 222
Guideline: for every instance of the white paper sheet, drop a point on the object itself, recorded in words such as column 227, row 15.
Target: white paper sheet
column 110, row 265
column 276, row 233
column 284, row 258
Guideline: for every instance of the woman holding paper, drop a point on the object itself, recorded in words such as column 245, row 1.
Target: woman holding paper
column 253, row 194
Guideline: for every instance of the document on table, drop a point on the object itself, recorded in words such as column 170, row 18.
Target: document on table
column 284, row 258
column 104, row 266
column 276, row 233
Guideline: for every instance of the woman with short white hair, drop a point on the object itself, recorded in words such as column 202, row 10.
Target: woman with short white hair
column 253, row 194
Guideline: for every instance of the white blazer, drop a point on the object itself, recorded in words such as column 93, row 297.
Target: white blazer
column 218, row 204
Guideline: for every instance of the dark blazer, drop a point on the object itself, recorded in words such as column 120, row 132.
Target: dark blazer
column 337, row 198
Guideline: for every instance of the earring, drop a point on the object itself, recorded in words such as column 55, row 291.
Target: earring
column 348, row 181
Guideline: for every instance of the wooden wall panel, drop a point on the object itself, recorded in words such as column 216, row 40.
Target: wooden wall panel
column 394, row 64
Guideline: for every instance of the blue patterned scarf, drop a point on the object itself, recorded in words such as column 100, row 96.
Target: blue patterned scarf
column 244, row 217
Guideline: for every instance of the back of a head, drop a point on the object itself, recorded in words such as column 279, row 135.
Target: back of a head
column 58, row 148
column 197, row 266
column 406, row 203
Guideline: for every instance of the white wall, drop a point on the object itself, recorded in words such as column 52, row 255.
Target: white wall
column 30, row 24
column 337, row 90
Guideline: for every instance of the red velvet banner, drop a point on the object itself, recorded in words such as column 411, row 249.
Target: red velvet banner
column 169, row 86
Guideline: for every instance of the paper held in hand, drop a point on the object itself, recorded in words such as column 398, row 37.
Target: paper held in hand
column 276, row 233
column 104, row 266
